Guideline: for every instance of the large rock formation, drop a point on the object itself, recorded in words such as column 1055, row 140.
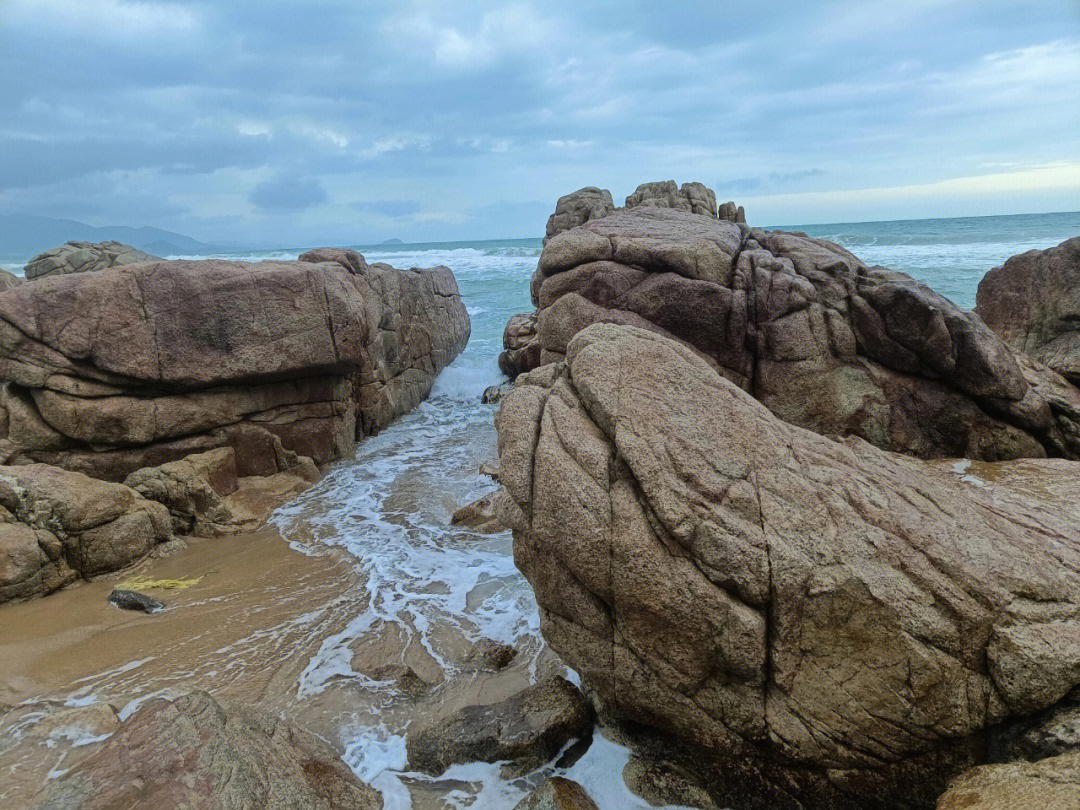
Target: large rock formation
column 57, row 526
column 1049, row 784
column 84, row 257
column 521, row 347
column 140, row 365
column 820, row 338
column 826, row 619
column 197, row 753
column 577, row 208
column 692, row 197
column 1033, row 303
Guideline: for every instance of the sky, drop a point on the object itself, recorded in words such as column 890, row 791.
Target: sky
column 278, row 123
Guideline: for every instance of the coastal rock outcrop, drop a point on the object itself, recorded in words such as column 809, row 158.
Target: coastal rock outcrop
column 139, row 365
column 826, row 619
column 577, row 208
column 57, row 526
column 9, row 280
column 199, row 753
column 692, row 197
column 808, row 329
column 1049, row 784
column 1033, row 303
column 84, row 257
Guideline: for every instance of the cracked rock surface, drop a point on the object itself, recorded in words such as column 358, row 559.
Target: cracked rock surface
column 140, row 365
column 834, row 619
column 804, row 326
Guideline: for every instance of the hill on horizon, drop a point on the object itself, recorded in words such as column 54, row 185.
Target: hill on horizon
column 23, row 236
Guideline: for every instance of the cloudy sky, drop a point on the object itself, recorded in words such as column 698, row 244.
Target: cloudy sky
column 331, row 121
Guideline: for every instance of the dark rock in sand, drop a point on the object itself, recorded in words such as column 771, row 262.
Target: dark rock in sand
column 198, row 753
column 57, row 526
column 557, row 793
column 527, row 730
column 139, row 365
column 1033, row 303
column 832, row 622
column 84, row 257
column 133, row 600
column 577, row 208
column 823, row 340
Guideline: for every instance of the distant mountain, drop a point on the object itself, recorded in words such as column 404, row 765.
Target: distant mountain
column 394, row 241
column 23, row 236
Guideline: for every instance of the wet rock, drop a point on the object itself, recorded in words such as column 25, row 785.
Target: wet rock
column 403, row 677
column 662, row 784
column 577, row 208
column 557, row 793
column 84, row 257
column 817, row 613
column 56, row 526
column 521, row 347
column 803, row 325
column 140, row 365
column 488, row 655
column 526, row 730
column 1050, row 784
column 199, row 753
column 1033, row 303
column 133, row 600
column 489, row 470
column 494, row 393
column 1048, row 734
column 481, row 515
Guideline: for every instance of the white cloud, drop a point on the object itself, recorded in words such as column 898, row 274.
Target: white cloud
column 112, row 19
column 396, row 143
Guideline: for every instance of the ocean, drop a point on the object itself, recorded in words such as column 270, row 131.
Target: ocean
column 390, row 506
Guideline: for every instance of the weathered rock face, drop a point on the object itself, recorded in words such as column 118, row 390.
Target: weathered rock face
column 1033, row 303
column 692, row 197
column 84, row 257
column 197, row 753
column 9, row 280
column 140, row 365
column 521, row 346
column 557, row 794
column 820, row 338
column 526, row 730
column 1050, row 784
column 56, row 526
column 833, row 619
column 731, row 213
column 577, row 208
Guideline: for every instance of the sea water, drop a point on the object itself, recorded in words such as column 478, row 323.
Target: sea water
column 390, row 505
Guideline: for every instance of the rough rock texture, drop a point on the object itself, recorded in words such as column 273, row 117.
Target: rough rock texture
column 205, row 497
column 139, row 365
column 84, row 257
column 56, row 526
column 526, row 729
column 577, row 208
column 1033, row 303
column 692, row 197
column 1047, row 734
column 831, row 619
column 482, row 515
column 133, row 600
column 805, row 327
column 521, row 346
column 9, row 280
column 488, row 655
column 1050, row 784
column 557, row 793
column 199, row 754
column 732, row 213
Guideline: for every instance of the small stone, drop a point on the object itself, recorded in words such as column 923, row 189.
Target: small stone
column 494, row 393
column 481, row 515
column 488, row 655
column 133, row 600
column 490, row 470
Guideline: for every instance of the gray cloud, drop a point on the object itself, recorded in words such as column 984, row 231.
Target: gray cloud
column 287, row 192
